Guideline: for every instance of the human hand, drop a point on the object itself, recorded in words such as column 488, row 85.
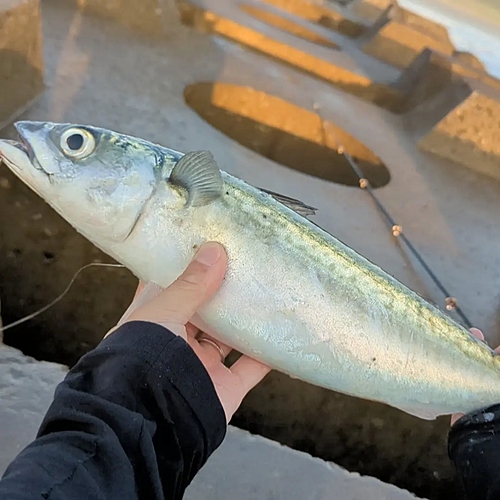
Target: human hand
column 174, row 308
column 478, row 334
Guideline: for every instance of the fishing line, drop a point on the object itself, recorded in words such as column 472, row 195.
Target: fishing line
column 58, row 298
column 396, row 229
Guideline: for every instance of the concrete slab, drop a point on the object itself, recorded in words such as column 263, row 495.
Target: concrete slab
column 399, row 44
column 433, row 73
column 470, row 133
column 100, row 73
column 276, row 472
column 224, row 18
column 287, row 25
column 370, row 11
column 242, row 22
column 152, row 17
column 468, row 60
column 26, row 391
column 465, row 64
column 21, row 58
column 352, row 56
column 420, row 24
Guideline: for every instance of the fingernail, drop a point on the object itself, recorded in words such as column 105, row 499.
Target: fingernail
column 208, row 254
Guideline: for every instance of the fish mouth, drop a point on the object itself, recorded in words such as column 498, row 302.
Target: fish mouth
column 11, row 152
column 24, row 145
column 20, row 160
column 17, row 154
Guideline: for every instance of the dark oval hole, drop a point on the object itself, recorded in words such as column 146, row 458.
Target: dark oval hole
column 48, row 256
column 285, row 133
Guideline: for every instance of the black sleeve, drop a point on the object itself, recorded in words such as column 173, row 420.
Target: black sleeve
column 474, row 447
column 136, row 418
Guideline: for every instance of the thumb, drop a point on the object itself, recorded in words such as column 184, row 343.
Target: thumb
column 178, row 303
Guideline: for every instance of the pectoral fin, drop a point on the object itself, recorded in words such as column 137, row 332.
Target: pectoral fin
column 198, row 173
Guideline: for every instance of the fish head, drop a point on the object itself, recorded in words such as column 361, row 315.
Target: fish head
column 98, row 180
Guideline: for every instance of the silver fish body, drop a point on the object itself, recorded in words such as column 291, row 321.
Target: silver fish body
column 294, row 296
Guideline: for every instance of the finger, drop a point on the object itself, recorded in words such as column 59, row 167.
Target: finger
column 477, row 333
column 209, row 348
column 192, row 330
column 250, row 373
column 200, row 280
column 140, row 288
column 147, row 292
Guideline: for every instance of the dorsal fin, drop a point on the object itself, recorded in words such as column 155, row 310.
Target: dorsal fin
column 198, row 173
column 296, row 205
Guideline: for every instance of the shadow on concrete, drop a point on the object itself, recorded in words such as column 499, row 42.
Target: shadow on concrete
column 284, row 24
column 285, row 133
column 416, row 84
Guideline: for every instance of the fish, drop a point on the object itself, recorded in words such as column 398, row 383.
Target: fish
column 294, row 296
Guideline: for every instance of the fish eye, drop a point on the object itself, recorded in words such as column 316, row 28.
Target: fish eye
column 77, row 143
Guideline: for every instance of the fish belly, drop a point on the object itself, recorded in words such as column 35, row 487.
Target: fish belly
column 304, row 309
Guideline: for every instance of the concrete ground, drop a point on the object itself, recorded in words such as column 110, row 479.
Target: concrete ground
column 100, row 73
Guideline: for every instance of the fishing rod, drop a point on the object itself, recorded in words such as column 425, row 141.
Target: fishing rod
column 451, row 303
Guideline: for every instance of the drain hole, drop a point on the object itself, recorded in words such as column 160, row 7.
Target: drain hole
column 291, row 27
column 283, row 132
column 48, row 256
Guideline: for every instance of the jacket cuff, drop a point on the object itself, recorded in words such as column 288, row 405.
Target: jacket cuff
column 172, row 362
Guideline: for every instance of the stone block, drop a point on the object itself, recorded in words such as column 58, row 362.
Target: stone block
column 419, row 23
column 398, row 44
column 469, row 134
column 26, row 391
column 427, row 75
column 469, row 60
column 21, row 57
column 259, row 468
column 370, row 11
column 152, row 17
column 208, row 20
column 431, row 72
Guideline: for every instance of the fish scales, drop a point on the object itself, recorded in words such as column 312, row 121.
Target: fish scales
column 294, row 296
